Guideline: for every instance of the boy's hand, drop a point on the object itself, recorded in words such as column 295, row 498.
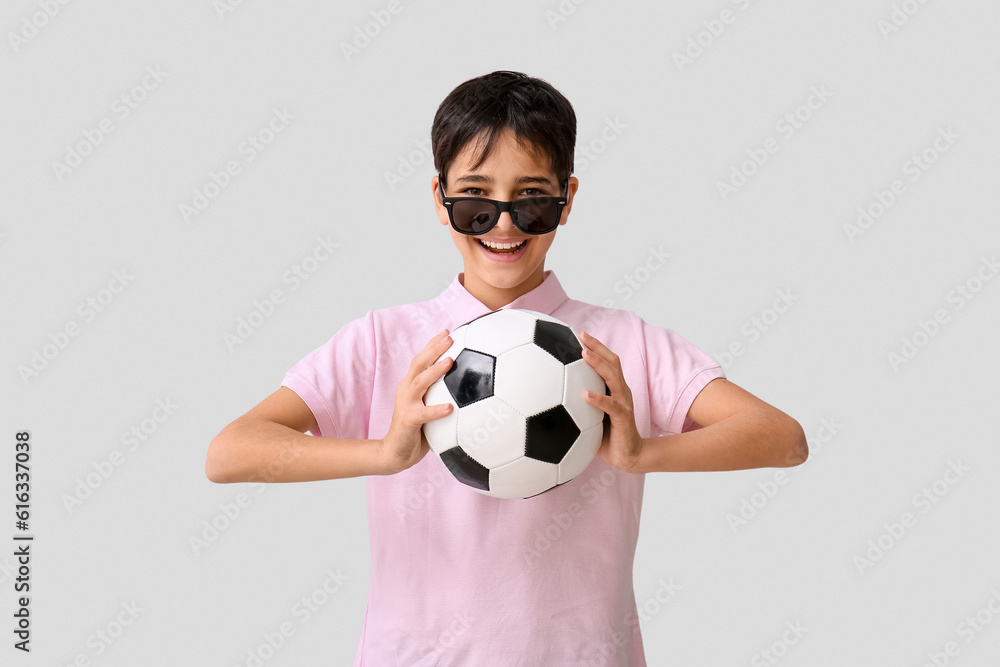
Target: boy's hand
column 404, row 444
column 622, row 444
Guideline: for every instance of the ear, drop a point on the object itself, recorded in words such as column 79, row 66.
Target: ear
column 571, row 188
column 439, row 208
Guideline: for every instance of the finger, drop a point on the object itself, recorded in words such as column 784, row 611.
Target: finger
column 601, row 401
column 607, row 364
column 435, row 343
column 431, row 374
column 432, row 412
column 434, row 348
column 438, row 336
column 603, row 367
column 614, row 404
column 599, row 348
column 616, row 384
column 418, row 414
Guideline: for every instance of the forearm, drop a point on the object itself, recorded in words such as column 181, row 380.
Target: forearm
column 740, row 442
column 263, row 451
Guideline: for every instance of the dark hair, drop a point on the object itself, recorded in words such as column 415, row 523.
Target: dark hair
column 537, row 113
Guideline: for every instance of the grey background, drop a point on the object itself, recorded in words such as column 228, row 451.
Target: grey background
column 682, row 130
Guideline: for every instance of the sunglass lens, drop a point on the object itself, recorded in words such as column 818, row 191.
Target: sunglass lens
column 474, row 217
column 537, row 215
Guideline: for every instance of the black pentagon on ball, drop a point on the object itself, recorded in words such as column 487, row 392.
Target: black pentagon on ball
column 466, row 469
column 558, row 340
column 550, row 435
column 470, row 377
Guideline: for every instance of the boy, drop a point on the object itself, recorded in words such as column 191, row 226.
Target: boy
column 467, row 579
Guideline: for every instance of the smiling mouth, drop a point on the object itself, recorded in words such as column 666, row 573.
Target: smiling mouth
column 502, row 248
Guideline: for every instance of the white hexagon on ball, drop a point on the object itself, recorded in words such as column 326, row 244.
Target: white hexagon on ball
column 544, row 391
column 582, row 377
column 581, row 454
column 491, row 432
column 503, row 330
column 441, row 434
column 523, row 478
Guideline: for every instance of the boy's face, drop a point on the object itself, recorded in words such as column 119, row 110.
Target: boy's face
column 508, row 173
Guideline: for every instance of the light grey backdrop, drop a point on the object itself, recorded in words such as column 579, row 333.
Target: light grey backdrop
column 742, row 138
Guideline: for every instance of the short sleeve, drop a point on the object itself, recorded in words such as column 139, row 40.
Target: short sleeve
column 676, row 372
column 336, row 379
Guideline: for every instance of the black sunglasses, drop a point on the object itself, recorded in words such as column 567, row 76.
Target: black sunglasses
column 475, row 215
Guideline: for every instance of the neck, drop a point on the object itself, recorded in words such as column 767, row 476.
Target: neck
column 494, row 297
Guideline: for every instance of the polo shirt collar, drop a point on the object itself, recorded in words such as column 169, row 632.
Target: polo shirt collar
column 462, row 306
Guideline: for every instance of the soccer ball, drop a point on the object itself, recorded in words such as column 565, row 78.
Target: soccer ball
column 520, row 425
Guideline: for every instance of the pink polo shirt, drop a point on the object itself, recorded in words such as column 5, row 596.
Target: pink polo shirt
column 463, row 579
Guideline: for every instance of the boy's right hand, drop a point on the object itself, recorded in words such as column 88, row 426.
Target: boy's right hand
column 404, row 444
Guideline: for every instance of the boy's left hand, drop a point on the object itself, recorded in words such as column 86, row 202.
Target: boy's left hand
column 622, row 444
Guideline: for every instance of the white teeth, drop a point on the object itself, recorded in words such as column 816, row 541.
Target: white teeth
column 501, row 246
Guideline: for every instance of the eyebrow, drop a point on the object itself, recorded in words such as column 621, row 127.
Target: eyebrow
column 480, row 178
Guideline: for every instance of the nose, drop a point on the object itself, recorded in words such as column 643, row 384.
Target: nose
column 505, row 222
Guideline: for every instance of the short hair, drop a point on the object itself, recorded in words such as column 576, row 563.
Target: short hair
column 538, row 114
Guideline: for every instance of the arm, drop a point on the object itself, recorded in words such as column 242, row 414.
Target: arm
column 739, row 431
column 269, row 444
